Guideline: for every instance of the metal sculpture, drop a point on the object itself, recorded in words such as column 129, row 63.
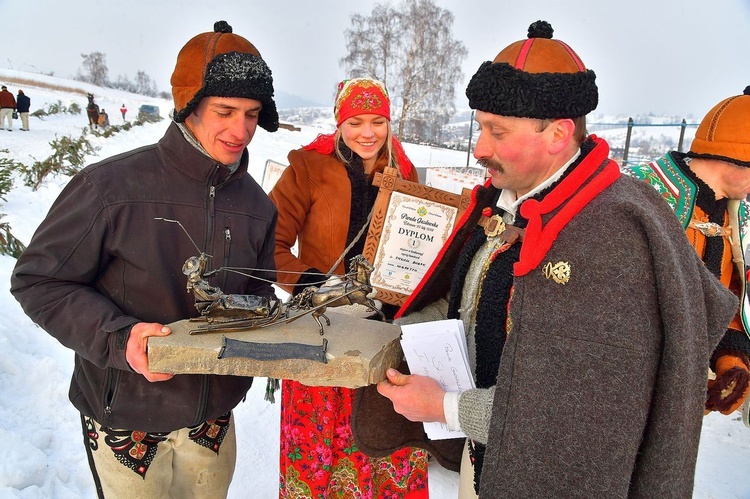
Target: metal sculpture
column 354, row 289
column 221, row 312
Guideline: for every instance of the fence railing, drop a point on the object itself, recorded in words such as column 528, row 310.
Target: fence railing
column 631, row 124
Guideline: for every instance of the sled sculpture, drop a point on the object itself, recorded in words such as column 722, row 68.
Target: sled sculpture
column 221, row 312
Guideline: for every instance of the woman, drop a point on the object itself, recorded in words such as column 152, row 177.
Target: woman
column 324, row 198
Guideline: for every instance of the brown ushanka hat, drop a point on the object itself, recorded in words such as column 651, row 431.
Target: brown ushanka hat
column 535, row 78
column 222, row 64
column 724, row 133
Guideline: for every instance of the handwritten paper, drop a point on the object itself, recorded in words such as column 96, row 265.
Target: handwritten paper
column 438, row 350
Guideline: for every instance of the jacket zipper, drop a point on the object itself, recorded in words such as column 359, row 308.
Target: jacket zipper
column 227, row 246
column 111, row 380
column 201, row 415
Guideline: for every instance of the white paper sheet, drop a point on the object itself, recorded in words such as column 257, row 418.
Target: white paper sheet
column 438, row 350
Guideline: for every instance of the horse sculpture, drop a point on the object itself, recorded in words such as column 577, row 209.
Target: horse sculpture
column 354, row 289
column 92, row 110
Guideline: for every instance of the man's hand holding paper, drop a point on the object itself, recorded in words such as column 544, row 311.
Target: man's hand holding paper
column 436, row 354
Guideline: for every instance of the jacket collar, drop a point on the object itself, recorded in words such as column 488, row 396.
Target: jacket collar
column 179, row 153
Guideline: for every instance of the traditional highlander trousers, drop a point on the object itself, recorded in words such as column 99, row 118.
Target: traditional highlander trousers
column 324, row 200
column 589, row 319
column 717, row 226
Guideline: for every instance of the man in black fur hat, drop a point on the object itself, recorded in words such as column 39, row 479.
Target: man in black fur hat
column 590, row 319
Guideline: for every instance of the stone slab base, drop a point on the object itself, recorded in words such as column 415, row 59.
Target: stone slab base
column 359, row 351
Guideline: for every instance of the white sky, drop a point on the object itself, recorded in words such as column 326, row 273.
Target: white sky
column 675, row 57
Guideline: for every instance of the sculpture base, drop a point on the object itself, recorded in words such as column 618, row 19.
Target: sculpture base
column 358, row 351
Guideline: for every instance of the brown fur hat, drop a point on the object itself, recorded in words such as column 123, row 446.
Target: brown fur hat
column 222, row 64
column 535, row 78
column 724, row 133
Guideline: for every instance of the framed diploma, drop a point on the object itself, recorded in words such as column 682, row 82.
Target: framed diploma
column 410, row 223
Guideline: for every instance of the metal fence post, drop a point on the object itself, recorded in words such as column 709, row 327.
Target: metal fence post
column 683, row 125
column 627, row 142
column 471, row 129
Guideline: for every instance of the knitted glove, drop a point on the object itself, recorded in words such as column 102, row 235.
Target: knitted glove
column 730, row 388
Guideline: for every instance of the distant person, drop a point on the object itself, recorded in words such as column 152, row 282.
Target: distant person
column 103, row 118
column 7, row 107
column 707, row 187
column 102, row 276
column 590, row 320
column 123, row 110
column 23, row 103
column 324, row 198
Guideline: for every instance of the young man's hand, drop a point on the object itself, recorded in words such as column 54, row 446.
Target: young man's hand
column 136, row 350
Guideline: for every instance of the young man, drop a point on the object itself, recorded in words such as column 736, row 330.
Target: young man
column 706, row 187
column 102, row 275
column 590, row 319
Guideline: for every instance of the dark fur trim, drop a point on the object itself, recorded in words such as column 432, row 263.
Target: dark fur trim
column 732, row 343
column 501, row 89
column 362, row 199
column 237, row 74
column 716, row 212
column 692, row 154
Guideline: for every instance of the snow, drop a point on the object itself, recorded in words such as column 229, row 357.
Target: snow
column 42, row 455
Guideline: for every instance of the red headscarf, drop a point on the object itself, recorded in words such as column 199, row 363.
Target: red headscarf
column 361, row 96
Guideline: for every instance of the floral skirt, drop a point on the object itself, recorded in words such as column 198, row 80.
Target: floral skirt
column 319, row 458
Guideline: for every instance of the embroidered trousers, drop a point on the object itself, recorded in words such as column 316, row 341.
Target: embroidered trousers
column 187, row 463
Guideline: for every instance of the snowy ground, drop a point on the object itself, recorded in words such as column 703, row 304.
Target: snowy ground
column 42, row 455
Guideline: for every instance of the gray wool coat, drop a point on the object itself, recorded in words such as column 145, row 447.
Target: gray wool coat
column 602, row 380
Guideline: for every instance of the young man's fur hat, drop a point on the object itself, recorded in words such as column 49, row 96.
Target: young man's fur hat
column 222, row 64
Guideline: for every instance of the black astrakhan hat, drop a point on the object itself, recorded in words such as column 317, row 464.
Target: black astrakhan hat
column 535, row 78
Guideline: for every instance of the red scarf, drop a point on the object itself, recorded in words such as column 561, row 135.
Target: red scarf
column 324, row 144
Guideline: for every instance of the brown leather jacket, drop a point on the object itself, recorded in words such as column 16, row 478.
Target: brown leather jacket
column 314, row 198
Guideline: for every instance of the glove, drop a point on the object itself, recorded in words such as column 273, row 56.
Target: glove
column 730, row 388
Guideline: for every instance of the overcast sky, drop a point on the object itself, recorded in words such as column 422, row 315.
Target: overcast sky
column 676, row 57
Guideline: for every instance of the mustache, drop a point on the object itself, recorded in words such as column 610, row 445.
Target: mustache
column 488, row 163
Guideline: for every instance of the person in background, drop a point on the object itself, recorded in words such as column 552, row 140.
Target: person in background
column 707, row 187
column 7, row 106
column 103, row 276
column 23, row 103
column 590, row 319
column 103, row 118
column 324, row 198
column 123, row 110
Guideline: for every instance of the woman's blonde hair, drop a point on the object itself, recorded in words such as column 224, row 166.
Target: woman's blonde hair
column 386, row 150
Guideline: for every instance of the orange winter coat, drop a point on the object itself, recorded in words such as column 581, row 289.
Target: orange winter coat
column 313, row 198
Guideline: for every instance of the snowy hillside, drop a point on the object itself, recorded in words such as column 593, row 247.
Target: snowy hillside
column 42, row 455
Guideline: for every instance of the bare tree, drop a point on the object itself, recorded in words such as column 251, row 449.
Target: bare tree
column 123, row 83
column 412, row 50
column 94, row 69
column 372, row 43
column 144, row 85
